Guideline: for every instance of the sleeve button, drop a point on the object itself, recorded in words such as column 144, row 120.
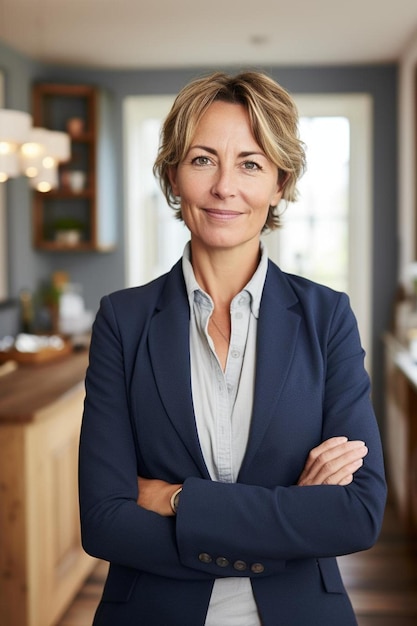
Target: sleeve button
column 257, row 568
column 221, row 561
column 204, row 557
column 240, row 566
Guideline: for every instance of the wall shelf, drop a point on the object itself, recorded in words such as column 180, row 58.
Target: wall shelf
column 86, row 193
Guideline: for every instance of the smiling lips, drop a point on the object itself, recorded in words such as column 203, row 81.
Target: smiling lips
column 222, row 214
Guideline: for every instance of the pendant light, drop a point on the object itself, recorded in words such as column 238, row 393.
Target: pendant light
column 14, row 130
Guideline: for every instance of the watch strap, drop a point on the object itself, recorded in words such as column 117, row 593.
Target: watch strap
column 175, row 498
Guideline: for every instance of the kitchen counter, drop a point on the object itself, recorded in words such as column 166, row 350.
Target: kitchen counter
column 30, row 388
column 42, row 563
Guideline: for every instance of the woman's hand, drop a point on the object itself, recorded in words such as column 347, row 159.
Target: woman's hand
column 155, row 495
column 333, row 462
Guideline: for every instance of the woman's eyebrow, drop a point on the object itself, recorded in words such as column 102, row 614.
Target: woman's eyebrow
column 205, row 148
column 244, row 153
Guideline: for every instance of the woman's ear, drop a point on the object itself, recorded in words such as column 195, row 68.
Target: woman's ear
column 172, row 175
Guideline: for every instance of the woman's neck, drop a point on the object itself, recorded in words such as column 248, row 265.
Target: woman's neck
column 223, row 273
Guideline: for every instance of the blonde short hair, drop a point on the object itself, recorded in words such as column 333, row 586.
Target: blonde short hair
column 273, row 117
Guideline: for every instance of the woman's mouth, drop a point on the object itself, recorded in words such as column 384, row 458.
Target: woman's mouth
column 222, row 214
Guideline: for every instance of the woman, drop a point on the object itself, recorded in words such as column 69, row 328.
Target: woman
column 223, row 463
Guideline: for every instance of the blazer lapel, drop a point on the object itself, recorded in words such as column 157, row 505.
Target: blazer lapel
column 278, row 326
column 170, row 358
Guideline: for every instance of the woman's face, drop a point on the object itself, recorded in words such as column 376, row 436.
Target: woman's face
column 225, row 182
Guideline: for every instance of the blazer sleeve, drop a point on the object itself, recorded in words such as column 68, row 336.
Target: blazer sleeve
column 113, row 526
column 254, row 524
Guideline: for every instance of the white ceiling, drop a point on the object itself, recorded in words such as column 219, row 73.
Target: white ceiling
column 182, row 33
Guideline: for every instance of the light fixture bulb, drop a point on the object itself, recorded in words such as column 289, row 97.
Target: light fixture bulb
column 6, row 147
column 32, row 149
column 3, row 177
column 31, row 171
column 48, row 162
column 45, row 180
column 44, row 187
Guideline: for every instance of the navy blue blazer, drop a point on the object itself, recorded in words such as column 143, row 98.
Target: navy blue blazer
column 138, row 420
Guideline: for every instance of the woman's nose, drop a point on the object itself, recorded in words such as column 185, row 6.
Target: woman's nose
column 224, row 184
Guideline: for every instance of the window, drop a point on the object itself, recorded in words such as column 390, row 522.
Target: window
column 155, row 239
column 315, row 235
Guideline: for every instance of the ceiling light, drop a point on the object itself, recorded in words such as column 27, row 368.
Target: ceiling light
column 14, row 129
column 30, row 151
column 57, row 147
column 9, row 166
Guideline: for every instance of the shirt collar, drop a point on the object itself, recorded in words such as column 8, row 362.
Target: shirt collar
column 254, row 287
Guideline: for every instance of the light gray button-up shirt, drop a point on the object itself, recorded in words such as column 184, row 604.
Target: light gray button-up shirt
column 223, row 409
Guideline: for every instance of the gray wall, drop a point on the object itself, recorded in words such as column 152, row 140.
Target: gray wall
column 101, row 273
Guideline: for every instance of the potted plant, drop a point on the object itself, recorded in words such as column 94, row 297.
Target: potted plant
column 68, row 231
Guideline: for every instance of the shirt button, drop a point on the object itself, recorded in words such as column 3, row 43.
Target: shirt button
column 221, row 561
column 204, row 557
column 240, row 566
column 257, row 568
column 235, row 354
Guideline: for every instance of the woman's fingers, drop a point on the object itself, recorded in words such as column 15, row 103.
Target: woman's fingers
column 325, row 446
column 333, row 462
column 344, row 475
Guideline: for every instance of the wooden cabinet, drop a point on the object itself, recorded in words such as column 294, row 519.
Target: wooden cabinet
column 401, row 430
column 42, row 563
column 80, row 213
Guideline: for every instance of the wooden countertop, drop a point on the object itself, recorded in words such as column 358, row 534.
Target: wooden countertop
column 30, row 388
